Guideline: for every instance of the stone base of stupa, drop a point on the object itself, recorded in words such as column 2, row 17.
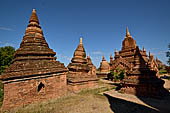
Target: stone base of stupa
column 78, row 81
column 24, row 91
column 102, row 75
column 146, row 87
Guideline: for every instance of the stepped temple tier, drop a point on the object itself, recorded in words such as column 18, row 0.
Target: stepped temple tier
column 141, row 80
column 141, row 72
column 34, row 75
column 81, row 70
column 104, row 68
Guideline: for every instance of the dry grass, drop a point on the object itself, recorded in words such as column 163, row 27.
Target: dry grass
column 86, row 101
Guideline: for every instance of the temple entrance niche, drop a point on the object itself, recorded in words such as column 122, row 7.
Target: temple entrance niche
column 40, row 86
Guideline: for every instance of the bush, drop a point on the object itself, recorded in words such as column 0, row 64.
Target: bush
column 162, row 71
column 118, row 74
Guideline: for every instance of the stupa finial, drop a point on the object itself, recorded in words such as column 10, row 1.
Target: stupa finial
column 34, row 17
column 127, row 32
column 88, row 55
column 103, row 59
column 81, row 40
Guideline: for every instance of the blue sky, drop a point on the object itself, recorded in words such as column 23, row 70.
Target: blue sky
column 102, row 23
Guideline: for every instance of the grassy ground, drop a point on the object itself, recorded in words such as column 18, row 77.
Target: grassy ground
column 86, row 101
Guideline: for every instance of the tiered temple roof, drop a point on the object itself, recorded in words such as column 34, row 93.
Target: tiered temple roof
column 81, row 70
column 125, row 57
column 79, row 61
column 141, row 80
column 34, row 57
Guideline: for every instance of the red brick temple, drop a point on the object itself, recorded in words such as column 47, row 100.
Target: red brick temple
column 141, row 80
column 141, row 71
column 124, row 59
column 34, row 75
column 79, row 75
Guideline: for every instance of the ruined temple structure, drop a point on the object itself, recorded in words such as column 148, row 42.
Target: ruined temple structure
column 160, row 64
column 153, row 64
column 92, row 70
column 141, row 80
column 34, row 75
column 79, row 75
column 141, row 71
column 104, row 68
column 124, row 59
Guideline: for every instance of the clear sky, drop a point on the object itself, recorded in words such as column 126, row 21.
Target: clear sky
column 102, row 23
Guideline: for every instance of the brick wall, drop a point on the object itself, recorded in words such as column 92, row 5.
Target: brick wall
column 22, row 92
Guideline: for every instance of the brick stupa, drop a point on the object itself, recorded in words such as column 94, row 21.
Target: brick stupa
column 141, row 72
column 104, row 68
column 78, row 75
column 141, row 80
column 34, row 75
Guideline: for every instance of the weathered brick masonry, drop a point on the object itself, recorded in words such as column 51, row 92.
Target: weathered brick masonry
column 34, row 75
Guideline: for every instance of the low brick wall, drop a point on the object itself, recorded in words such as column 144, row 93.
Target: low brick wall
column 78, row 86
column 25, row 91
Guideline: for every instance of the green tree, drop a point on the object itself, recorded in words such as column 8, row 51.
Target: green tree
column 168, row 54
column 118, row 74
column 6, row 57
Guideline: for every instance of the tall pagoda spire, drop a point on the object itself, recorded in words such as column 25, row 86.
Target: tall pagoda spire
column 81, row 40
column 34, row 53
column 34, row 17
column 149, row 54
column 111, row 59
column 103, row 59
column 128, row 42
column 144, row 49
column 33, row 28
column 33, row 41
column 115, row 52
column 88, row 56
column 127, row 32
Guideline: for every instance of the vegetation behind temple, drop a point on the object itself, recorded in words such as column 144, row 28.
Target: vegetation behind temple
column 117, row 74
column 6, row 57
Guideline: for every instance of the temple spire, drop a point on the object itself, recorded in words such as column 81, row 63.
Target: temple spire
column 103, row 59
column 144, row 49
column 34, row 26
column 111, row 55
column 34, row 17
column 127, row 32
column 81, row 40
column 115, row 52
column 88, row 55
column 149, row 54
